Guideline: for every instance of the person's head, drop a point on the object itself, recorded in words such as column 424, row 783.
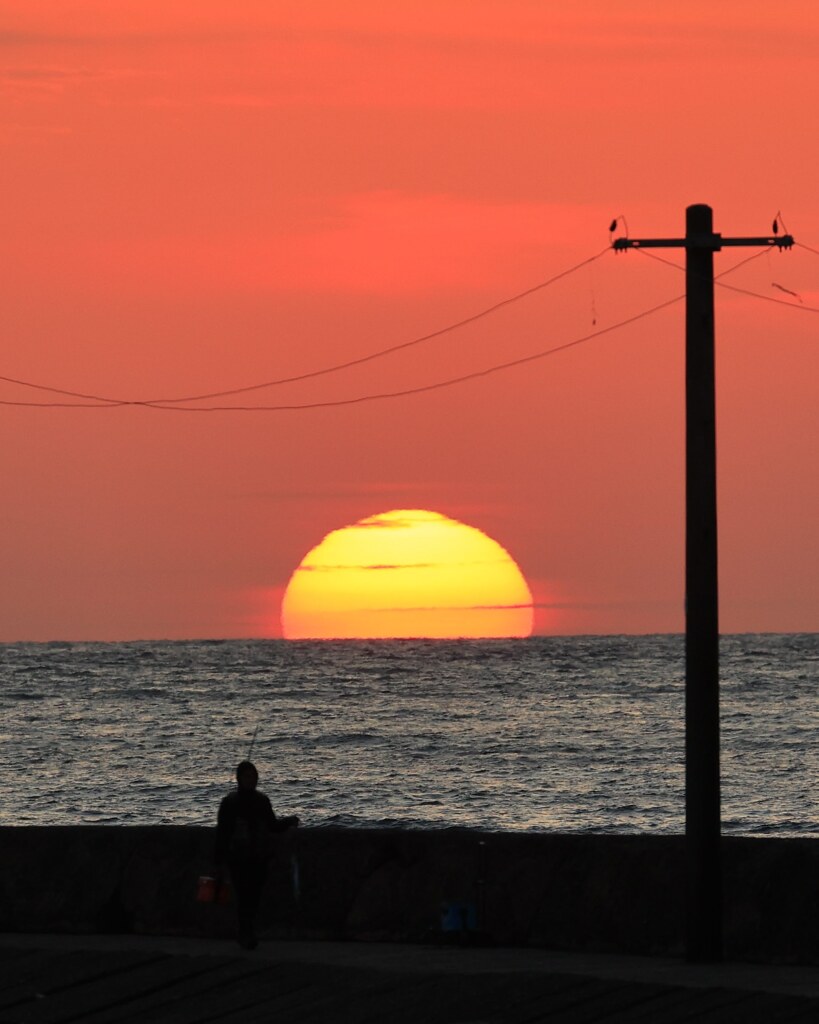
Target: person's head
column 246, row 775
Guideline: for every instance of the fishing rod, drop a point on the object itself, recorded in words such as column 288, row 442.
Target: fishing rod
column 250, row 748
column 252, row 743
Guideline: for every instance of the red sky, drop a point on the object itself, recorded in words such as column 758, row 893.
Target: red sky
column 196, row 197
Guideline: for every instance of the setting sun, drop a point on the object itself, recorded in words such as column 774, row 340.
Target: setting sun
column 407, row 573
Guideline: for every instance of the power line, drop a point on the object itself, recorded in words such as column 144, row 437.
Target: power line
column 736, row 288
column 173, row 405
column 335, row 368
column 360, row 399
column 95, row 401
column 679, row 266
column 463, row 378
column 394, row 348
column 449, row 382
column 65, row 405
column 770, row 298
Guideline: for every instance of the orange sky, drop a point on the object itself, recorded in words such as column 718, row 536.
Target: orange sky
column 201, row 196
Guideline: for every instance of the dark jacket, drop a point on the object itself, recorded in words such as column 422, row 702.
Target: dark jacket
column 246, row 825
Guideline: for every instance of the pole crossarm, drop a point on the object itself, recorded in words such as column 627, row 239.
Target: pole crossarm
column 714, row 242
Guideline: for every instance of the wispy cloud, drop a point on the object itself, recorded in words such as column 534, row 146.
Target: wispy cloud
column 49, row 79
column 351, row 567
column 12, row 129
column 40, row 74
column 439, row 609
column 376, row 523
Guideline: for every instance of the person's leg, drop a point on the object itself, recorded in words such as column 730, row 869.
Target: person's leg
column 255, row 879
column 242, row 876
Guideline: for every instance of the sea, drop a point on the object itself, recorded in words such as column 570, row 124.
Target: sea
column 569, row 734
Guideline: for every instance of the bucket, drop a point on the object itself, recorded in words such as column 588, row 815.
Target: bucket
column 209, row 890
column 458, row 916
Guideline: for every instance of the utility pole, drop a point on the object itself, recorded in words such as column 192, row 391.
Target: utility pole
column 704, row 912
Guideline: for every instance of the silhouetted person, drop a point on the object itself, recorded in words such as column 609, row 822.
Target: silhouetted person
column 244, row 844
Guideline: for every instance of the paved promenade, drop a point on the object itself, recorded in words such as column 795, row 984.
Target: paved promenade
column 50, row 979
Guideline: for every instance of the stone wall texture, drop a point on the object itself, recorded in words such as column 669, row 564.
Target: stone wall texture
column 573, row 892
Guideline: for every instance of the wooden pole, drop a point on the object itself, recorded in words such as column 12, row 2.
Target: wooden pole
column 702, row 776
column 702, row 768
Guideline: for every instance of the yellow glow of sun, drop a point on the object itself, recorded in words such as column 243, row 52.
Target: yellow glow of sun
column 406, row 573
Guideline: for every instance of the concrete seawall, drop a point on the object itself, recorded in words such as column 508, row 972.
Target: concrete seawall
column 572, row 892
